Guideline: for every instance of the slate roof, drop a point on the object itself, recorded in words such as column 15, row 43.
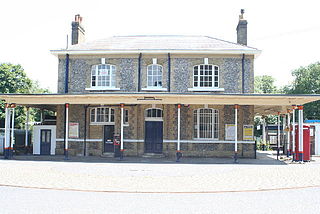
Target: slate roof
column 163, row 43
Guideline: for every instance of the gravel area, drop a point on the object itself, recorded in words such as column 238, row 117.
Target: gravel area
column 158, row 175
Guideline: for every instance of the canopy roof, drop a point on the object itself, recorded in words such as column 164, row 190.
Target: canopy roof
column 264, row 103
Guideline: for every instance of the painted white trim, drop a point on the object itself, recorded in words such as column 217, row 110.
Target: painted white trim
column 154, row 89
column 80, row 140
column 102, row 89
column 164, row 141
column 153, row 119
column 154, row 61
column 205, row 61
column 103, row 61
column 205, row 89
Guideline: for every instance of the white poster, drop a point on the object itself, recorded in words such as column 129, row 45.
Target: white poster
column 73, row 130
column 230, row 128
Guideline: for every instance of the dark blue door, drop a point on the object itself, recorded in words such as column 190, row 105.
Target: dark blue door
column 45, row 141
column 153, row 136
column 108, row 138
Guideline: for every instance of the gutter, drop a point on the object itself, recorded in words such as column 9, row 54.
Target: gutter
column 254, row 52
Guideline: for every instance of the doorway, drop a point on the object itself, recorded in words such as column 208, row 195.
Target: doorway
column 108, row 138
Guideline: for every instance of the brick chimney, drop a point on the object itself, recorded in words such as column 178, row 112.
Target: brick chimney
column 78, row 31
column 242, row 29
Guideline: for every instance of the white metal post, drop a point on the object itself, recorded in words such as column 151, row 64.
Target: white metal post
column 27, row 128
column 278, row 140
column 236, row 107
column 288, row 133
column 66, row 131
column 293, row 133
column 300, row 132
column 178, row 140
column 179, row 154
column 264, row 137
column 284, row 122
column 121, row 131
column 7, row 132
column 12, row 131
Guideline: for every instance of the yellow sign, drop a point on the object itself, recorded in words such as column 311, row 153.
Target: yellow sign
column 247, row 132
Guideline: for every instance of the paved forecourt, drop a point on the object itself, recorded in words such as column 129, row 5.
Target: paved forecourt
column 160, row 176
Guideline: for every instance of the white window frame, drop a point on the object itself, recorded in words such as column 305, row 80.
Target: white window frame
column 146, row 118
column 109, row 122
column 111, row 78
column 215, row 126
column 125, row 115
column 213, row 76
column 153, row 76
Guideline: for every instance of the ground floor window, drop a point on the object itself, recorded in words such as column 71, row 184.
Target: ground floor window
column 102, row 115
column 126, row 117
column 206, row 123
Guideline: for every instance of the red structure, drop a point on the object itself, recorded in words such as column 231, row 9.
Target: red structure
column 305, row 154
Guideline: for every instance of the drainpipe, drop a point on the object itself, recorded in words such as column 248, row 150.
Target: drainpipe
column 169, row 72
column 139, row 72
column 66, row 84
column 242, row 70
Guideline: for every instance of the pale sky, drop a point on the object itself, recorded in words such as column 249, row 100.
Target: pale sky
column 287, row 32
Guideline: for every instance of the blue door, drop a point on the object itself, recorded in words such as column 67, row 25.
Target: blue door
column 45, row 141
column 153, row 136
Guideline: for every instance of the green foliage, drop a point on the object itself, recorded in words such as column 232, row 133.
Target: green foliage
column 307, row 81
column 13, row 79
column 264, row 85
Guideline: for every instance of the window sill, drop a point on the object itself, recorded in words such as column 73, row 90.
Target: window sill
column 205, row 89
column 102, row 89
column 153, row 89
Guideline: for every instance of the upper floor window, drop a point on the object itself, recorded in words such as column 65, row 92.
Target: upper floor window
column 206, row 123
column 103, row 75
column 102, row 115
column 154, row 76
column 205, row 76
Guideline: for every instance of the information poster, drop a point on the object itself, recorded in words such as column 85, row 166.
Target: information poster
column 247, row 132
column 73, row 130
column 230, row 132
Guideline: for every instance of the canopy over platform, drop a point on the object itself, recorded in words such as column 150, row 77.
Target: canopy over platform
column 264, row 103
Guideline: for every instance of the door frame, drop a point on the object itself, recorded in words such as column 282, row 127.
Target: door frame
column 104, row 137
column 152, row 119
column 50, row 140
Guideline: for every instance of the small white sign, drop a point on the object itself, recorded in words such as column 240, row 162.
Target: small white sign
column 73, row 130
column 230, row 128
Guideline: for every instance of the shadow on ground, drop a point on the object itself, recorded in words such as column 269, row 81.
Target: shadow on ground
column 263, row 158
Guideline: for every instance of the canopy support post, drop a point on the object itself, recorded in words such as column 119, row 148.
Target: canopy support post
column 179, row 154
column 236, row 107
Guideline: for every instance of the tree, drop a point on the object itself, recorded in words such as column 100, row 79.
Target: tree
column 13, row 79
column 264, row 85
column 307, row 81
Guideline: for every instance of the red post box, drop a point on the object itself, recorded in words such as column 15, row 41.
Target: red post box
column 306, row 144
